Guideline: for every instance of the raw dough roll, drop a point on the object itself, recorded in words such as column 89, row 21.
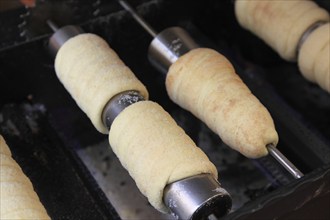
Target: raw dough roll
column 314, row 58
column 93, row 73
column 155, row 150
column 18, row 200
column 205, row 83
column 279, row 23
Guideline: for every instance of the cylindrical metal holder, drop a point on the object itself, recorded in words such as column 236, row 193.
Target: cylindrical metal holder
column 60, row 36
column 197, row 197
column 168, row 46
column 118, row 104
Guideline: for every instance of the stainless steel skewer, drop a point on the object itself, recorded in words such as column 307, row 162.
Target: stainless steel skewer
column 138, row 18
column 292, row 169
column 52, row 25
column 168, row 46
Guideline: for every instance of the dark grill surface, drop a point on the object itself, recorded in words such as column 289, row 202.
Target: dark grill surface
column 71, row 165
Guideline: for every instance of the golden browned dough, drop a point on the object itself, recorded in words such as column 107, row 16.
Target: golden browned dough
column 93, row 73
column 205, row 83
column 155, row 150
column 279, row 23
column 18, row 199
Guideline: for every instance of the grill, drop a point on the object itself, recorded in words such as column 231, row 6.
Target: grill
column 71, row 165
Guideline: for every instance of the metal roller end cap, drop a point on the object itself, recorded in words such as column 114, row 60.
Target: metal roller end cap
column 168, row 46
column 60, row 36
column 197, row 197
column 117, row 104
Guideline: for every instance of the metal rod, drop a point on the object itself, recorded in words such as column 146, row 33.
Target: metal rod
column 52, row 25
column 292, row 169
column 138, row 18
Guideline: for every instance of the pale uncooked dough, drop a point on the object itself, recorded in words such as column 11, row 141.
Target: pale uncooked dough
column 279, row 23
column 314, row 57
column 205, row 83
column 155, row 150
column 18, row 199
column 93, row 73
